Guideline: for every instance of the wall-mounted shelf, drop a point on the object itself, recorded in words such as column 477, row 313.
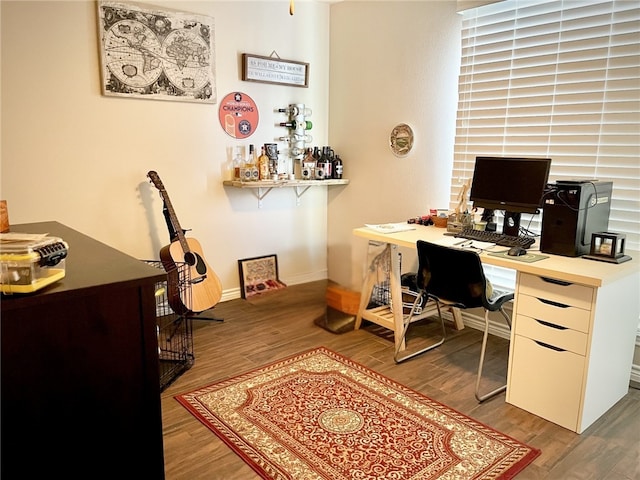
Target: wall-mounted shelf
column 262, row 187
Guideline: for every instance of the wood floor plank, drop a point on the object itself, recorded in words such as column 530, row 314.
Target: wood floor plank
column 281, row 323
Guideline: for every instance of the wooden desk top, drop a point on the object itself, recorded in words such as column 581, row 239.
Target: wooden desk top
column 570, row 269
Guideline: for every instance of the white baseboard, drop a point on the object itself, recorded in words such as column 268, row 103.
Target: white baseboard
column 233, row 293
column 230, row 294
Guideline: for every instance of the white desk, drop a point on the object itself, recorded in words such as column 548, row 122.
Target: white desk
column 573, row 332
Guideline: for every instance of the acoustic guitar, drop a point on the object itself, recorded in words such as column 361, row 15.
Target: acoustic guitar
column 203, row 288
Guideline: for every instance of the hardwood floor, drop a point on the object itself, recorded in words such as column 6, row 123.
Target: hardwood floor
column 281, row 323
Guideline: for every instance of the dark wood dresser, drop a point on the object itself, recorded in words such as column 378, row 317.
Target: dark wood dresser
column 80, row 377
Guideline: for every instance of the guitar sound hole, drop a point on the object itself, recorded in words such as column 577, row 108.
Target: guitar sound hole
column 190, row 259
column 193, row 259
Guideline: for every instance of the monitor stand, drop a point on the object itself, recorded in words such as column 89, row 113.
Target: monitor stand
column 488, row 216
column 511, row 224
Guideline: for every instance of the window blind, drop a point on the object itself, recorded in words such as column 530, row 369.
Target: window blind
column 557, row 79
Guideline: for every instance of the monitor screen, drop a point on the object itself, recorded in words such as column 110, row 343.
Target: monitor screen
column 515, row 185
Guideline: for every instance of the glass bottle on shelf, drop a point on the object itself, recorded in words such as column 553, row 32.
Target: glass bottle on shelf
column 297, row 168
column 255, row 172
column 337, row 167
column 308, row 166
column 238, row 163
column 250, row 171
column 326, row 161
column 263, row 165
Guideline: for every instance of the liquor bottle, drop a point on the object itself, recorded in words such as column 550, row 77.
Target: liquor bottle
column 337, row 167
column 326, row 161
column 308, row 166
column 238, row 163
column 296, row 125
column 263, row 165
column 255, row 172
column 309, row 157
column 250, row 170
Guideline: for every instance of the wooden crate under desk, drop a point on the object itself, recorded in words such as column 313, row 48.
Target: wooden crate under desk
column 342, row 299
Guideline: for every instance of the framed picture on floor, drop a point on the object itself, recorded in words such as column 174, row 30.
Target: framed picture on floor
column 259, row 275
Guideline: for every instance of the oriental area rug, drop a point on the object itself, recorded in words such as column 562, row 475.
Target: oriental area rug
column 319, row 415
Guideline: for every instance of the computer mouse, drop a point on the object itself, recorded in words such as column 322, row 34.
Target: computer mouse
column 516, row 251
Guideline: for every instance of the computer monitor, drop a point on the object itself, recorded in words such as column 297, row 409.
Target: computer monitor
column 515, row 185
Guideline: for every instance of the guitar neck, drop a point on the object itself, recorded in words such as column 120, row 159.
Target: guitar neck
column 173, row 218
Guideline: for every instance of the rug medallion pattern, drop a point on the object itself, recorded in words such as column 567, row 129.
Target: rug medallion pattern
column 321, row 415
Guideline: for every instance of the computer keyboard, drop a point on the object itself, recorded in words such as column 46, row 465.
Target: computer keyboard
column 497, row 238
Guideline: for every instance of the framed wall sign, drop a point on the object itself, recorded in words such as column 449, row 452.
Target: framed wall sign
column 256, row 68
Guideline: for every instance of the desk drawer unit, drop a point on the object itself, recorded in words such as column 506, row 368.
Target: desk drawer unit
column 548, row 358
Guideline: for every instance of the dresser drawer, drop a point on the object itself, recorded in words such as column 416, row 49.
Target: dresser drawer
column 546, row 382
column 554, row 335
column 557, row 313
column 571, row 294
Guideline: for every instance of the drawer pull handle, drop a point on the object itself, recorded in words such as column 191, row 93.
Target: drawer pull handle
column 551, row 325
column 554, row 304
column 556, row 282
column 551, row 347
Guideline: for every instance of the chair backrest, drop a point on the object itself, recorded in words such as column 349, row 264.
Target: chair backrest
column 451, row 274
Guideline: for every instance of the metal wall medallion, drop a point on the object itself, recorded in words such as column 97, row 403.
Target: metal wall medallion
column 401, row 140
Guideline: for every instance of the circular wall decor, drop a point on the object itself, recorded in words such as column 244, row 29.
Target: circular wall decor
column 238, row 115
column 401, row 140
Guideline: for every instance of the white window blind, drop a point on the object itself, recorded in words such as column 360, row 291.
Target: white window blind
column 560, row 80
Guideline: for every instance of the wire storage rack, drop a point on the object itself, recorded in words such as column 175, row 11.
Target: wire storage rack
column 381, row 292
column 175, row 331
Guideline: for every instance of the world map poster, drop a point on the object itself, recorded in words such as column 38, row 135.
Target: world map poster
column 153, row 54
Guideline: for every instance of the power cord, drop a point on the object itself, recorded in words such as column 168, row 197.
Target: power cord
column 559, row 197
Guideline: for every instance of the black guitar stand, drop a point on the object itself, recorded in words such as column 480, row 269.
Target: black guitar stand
column 198, row 316
column 173, row 236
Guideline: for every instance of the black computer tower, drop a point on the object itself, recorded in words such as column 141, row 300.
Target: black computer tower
column 572, row 211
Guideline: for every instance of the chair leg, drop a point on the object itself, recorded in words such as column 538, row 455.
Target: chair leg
column 401, row 358
column 492, row 393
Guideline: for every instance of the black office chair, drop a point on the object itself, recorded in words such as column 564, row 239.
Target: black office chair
column 454, row 277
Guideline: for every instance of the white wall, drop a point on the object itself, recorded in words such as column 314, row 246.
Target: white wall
column 73, row 155
column 391, row 63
